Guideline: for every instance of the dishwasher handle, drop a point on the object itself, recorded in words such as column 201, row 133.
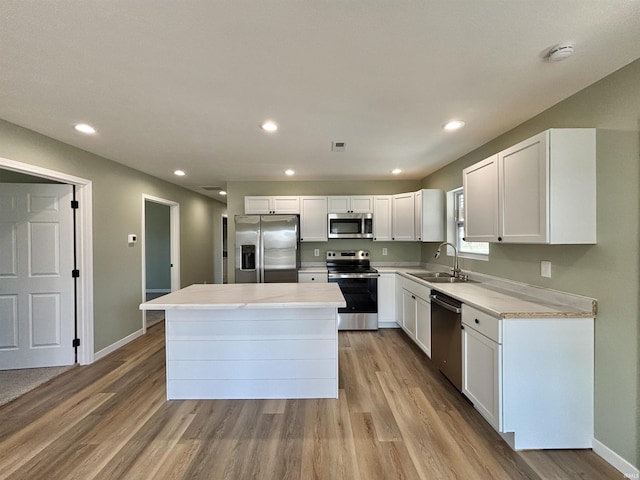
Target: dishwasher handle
column 452, row 308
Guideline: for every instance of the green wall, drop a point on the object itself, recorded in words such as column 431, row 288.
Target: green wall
column 607, row 271
column 397, row 251
column 117, row 212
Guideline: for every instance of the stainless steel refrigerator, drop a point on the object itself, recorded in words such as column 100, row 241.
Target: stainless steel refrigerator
column 267, row 248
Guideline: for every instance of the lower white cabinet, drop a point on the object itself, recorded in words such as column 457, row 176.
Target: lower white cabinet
column 386, row 299
column 415, row 313
column 531, row 378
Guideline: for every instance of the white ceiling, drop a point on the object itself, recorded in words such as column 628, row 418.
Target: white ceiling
column 186, row 84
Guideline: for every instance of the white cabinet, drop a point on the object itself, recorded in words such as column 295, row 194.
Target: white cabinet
column 382, row 218
column 414, row 315
column 350, row 204
column 386, row 298
column 273, row 204
column 429, row 214
column 313, row 277
column 423, row 325
column 480, row 185
column 531, row 378
column 546, row 191
column 313, row 219
column 481, row 367
column 403, row 218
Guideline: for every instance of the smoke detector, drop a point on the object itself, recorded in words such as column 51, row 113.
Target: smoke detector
column 560, row 52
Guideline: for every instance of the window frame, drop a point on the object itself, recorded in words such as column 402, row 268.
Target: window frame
column 454, row 223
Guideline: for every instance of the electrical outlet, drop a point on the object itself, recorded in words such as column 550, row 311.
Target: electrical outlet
column 316, row 252
column 384, row 251
column 545, row 269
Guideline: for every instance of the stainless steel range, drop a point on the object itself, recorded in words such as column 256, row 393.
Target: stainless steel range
column 351, row 270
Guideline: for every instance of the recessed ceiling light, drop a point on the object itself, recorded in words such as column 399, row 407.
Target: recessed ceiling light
column 453, row 125
column 289, row 172
column 222, row 192
column 396, row 171
column 269, row 126
column 85, row 128
column 179, row 173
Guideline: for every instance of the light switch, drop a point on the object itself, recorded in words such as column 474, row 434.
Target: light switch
column 545, row 269
column 384, row 251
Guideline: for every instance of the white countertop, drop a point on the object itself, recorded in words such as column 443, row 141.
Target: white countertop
column 250, row 296
column 507, row 299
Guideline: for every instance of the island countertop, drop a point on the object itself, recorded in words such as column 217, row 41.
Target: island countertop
column 249, row 296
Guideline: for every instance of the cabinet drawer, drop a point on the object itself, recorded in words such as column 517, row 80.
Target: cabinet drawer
column 482, row 322
column 307, row 277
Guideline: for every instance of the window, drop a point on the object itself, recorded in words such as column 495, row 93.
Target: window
column 455, row 232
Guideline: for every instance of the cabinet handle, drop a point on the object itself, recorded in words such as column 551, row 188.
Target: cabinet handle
column 464, row 239
column 499, row 239
column 477, row 321
column 413, row 296
column 461, row 327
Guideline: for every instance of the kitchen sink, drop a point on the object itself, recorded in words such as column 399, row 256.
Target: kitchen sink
column 449, row 280
column 429, row 276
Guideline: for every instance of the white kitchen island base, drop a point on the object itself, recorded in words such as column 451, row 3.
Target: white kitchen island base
column 259, row 341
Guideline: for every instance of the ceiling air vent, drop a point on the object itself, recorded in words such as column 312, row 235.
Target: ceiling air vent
column 338, row 146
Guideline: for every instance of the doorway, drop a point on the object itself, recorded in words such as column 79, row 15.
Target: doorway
column 160, row 252
column 84, row 250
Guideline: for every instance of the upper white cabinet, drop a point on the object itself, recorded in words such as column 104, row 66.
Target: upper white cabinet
column 403, row 218
column 350, row 204
column 382, row 218
column 545, row 192
column 313, row 219
column 274, row 204
column 429, row 215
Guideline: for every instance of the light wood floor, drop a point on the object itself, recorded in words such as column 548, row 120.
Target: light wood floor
column 396, row 418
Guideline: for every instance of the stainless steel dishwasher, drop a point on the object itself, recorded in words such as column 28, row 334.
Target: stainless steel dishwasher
column 446, row 336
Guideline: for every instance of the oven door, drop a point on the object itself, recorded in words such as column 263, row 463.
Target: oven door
column 361, row 296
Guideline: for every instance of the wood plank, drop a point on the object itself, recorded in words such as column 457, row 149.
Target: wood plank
column 396, row 417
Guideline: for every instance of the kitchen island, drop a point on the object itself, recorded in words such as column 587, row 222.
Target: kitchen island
column 239, row 341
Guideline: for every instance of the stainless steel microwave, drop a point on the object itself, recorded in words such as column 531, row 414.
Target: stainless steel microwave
column 350, row 225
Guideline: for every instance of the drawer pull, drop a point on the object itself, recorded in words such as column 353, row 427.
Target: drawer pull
column 477, row 321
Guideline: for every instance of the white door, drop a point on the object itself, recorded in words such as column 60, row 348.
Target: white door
column 36, row 284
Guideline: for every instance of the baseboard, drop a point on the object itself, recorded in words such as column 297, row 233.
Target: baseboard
column 115, row 346
column 388, row 325
column 615, row 460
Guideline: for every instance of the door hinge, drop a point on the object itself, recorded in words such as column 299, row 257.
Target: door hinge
column 75, row 273
column 75, row 204
column 76, row 342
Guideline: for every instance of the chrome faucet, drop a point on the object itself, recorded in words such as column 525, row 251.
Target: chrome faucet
column 456, row 268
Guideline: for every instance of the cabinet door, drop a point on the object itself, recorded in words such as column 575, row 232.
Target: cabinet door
column 387, row 298
column 313, row 219
column 362, row 204
column 403, row 217
column 523, row 175
column 482, row 375
column 423, row 325
column 481, row 216
column 429, row 215
column 409, row 313
column 286, row 205
column 382, row 218
column 257, row 205
column 338, row 204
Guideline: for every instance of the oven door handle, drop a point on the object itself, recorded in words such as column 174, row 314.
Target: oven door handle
column 354, row 275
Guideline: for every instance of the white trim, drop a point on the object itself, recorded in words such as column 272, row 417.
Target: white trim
column 119, row 344
column 615, row 460
column 174, row 227
column 84, row 232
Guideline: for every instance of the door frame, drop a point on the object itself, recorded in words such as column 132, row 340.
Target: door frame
column 174, row 227
column 84, row 242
